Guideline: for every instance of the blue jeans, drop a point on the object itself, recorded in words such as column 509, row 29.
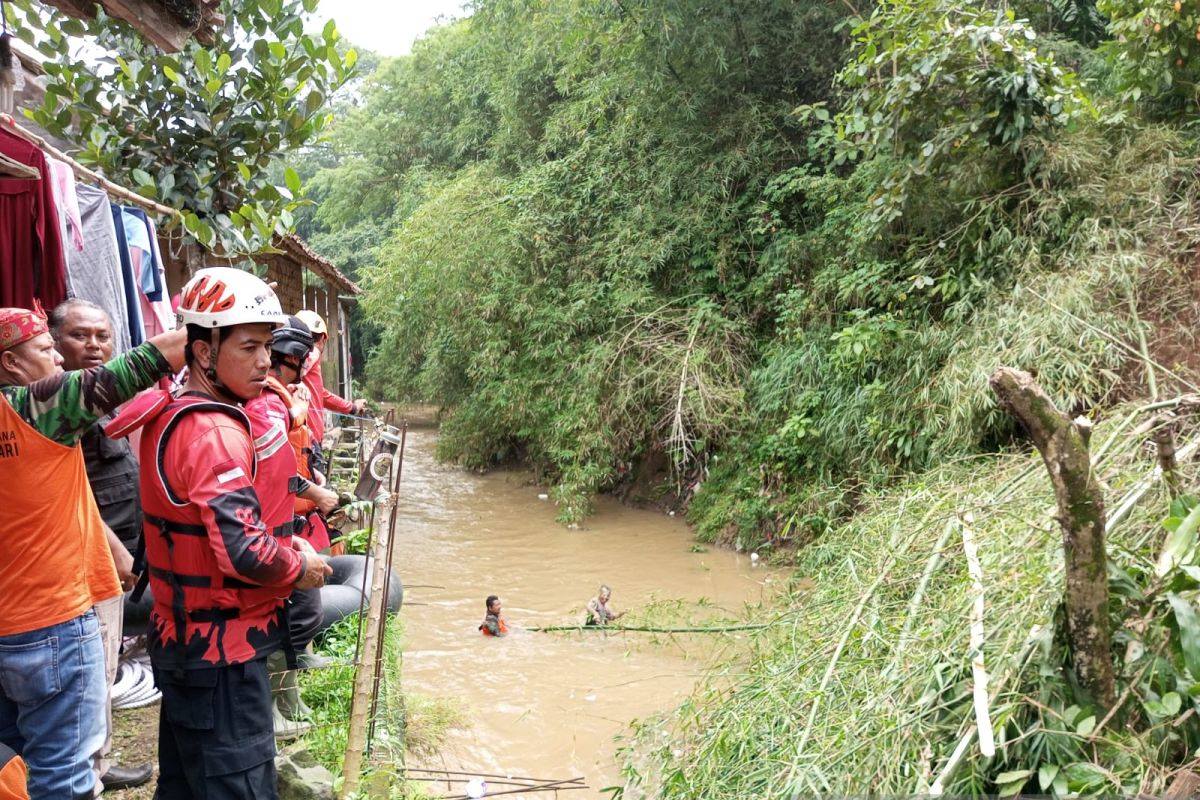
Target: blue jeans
column 52, row 698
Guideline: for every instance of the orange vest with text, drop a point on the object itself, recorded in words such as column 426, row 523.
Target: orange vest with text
column 55, row 563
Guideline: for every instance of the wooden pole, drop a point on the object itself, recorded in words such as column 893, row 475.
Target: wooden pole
column 1063, row 444
column 365, row 673
column 113, row 189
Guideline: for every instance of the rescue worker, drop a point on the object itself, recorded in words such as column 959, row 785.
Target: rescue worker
column 322, row 398
column 219, row 576
column 281, row 443
column 493, row 623
column 56, row 565
column 598, row 612
column 83, row 334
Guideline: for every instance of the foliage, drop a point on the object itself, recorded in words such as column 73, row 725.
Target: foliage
column 932, row 82
column 328, row 691
column 1154, row 51
column 200, row 129
column 878, row 700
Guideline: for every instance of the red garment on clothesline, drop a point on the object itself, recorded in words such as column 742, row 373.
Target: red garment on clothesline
column 32, row 262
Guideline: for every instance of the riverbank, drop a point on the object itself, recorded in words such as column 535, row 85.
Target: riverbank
column 866, row 685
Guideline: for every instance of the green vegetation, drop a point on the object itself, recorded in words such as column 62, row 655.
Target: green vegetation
column 198, row 130
column 865, row 684
column 602, row 236
column 404, row 723
column 775, row 249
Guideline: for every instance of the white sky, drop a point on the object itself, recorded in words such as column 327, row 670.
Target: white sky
column 389, row 27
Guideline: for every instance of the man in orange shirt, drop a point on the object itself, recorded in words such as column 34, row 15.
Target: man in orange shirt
column 55, row 565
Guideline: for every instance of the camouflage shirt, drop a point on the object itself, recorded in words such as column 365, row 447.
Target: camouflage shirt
column 64, row 406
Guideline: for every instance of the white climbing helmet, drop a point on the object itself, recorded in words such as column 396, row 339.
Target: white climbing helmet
column 314, row 322
column 218, row 297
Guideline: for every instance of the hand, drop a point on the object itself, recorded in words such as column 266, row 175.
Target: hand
column 171, row 344
column 315, row 571
column 302, row 545
column 299, row 407
column 300, row 392
column 327, row 501
column 319, row 478
column 359, row 407
column 124, row 564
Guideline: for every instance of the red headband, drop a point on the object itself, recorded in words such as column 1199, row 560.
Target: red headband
column 19, row 325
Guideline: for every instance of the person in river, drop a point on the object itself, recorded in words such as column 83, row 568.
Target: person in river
column 598, row 612
column 493, row 623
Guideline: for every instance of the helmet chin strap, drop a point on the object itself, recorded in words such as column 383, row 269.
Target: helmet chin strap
column 211, row 371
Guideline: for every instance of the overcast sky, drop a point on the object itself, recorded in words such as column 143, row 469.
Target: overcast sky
column 389, row 27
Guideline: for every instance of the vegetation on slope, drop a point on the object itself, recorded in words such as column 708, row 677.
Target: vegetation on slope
column 866, row 686
column 601, row 235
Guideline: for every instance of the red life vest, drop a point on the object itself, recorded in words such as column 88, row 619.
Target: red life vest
column 227, row 620
column 275, row 479
column 312, row 527
column 501, row 624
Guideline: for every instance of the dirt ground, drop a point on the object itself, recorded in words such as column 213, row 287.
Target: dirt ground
column 135, row 742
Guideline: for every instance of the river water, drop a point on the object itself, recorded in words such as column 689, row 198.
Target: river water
column 547, row 705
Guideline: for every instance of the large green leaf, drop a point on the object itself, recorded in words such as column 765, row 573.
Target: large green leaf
column 1189, row 632
column 1180, row 543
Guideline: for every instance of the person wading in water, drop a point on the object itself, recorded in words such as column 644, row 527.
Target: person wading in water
column 493, row 623
column 598, row 612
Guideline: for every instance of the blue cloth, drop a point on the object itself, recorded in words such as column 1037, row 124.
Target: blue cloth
column 53, row 695
column 137, row 331
column 137, row 233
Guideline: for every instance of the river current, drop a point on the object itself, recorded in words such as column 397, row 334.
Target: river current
column 547, row 705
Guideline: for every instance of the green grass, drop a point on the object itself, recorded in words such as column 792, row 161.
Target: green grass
column 865, row 684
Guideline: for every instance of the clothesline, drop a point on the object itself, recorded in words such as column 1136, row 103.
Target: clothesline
column 113, row 189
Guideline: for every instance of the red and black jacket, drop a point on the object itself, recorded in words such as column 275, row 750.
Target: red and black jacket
column 216, row 571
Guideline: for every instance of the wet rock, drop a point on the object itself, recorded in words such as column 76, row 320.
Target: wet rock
column 301, row 777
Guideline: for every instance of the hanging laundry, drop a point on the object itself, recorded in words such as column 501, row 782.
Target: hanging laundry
column 95, row 272
column 156, row 317
column 137, row 331
column 32, row 262
column 68, row 205
column 151, row 280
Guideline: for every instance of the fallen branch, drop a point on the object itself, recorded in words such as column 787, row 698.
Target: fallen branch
column 983, row 721
column 653, row 629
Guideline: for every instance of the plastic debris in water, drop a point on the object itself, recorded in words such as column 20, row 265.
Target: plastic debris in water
column 476, row 788
column 754, row 558
column 543, row 496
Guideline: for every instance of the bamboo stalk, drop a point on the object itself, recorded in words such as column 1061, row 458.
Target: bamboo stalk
column 364, row 680
column 983, row 721
column 397, row 471
column 914, row 603
column 652, row 629
column 960, row 749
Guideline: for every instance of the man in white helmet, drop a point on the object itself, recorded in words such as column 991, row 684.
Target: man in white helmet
column 321, row 398
column 218, row 576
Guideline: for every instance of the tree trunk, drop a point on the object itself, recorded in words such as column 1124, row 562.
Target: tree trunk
column 1163, row 434
column 1063, row 444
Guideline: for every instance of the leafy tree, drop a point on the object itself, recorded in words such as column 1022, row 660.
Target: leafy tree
column 197, row 130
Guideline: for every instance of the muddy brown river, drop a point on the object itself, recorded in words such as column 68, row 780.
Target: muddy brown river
column 541, row 704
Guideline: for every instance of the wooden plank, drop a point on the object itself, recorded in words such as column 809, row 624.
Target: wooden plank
column 1185, row 786
column 83, row 9
column 151, row 21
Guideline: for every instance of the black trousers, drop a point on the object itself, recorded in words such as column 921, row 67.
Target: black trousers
column 216, row 740
column 305, row 616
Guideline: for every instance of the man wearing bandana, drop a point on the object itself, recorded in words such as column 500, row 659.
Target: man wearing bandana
column 56, row 565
